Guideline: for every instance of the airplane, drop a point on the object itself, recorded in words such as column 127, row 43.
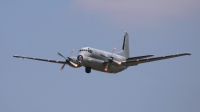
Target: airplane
column 99, row 60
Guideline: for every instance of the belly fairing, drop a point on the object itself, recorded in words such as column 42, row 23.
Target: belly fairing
column 100, row 65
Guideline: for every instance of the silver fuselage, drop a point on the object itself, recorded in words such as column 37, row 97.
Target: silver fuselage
column 93, row 59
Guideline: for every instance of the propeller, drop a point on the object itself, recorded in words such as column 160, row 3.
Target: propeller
column 64, row 63
column 68, row 59
column 110, row 59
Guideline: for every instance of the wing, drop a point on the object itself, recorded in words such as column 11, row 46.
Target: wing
column 139, row 61
column 138, row 57
column 40, row 59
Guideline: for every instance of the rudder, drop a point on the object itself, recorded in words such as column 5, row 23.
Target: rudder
column 125, row 47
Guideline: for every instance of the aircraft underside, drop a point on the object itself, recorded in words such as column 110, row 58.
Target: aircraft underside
column 112, row 69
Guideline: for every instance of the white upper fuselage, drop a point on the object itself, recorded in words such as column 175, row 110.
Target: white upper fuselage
column 93, row 58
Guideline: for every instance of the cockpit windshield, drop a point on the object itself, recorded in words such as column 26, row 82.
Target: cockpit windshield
column 88, row 50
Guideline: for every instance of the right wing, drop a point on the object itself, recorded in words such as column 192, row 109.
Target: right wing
column 40, row 59
column 139, row 61
column 138, row 57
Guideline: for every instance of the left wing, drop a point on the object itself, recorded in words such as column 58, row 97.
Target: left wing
column 136, row 62
column 40, row 59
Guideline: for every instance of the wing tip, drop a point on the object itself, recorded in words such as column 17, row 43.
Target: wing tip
column 16, row 56
column 151, row 55
column 187, row 53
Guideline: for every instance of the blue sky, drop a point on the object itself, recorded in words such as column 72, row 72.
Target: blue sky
column 43, row 28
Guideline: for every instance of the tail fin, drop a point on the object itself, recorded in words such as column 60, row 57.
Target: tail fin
column 125, row 47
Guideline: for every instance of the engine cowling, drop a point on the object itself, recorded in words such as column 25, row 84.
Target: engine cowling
column 80, row 58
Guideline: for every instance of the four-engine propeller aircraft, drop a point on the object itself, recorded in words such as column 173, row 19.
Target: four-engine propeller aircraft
column 104, row 61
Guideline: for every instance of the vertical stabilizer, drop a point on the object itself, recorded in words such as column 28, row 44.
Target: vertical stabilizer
column 125, row 47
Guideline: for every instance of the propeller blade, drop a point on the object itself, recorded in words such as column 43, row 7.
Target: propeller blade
column 71, row 52
column 62, row 67
column 61, row 55
column 106, row 69
column 74, row 64
column 113, row 50
column 103, row 55
column 117, row 62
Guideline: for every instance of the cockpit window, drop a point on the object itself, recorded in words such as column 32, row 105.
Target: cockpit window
column 90, row 51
